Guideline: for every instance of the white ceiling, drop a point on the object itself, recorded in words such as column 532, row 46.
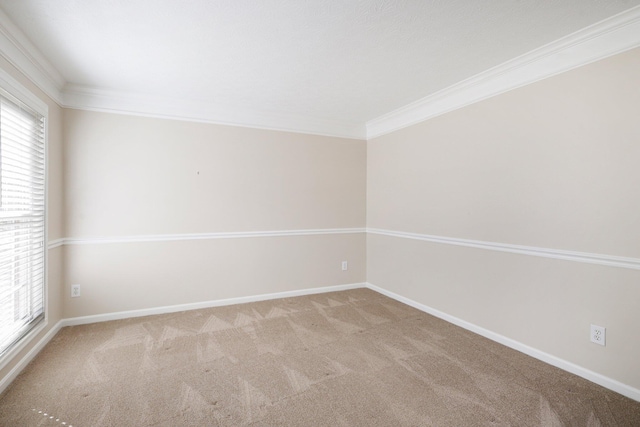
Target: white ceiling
column 341, row 62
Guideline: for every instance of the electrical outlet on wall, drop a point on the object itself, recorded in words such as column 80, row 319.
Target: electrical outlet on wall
column 75, row 291
column 345, row 265
column 598, row 334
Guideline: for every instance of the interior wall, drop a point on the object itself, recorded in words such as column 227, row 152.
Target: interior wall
column 54, row 212
column 134, row 177
column 550, row 165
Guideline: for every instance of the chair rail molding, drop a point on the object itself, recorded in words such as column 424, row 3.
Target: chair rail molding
column 586, row 257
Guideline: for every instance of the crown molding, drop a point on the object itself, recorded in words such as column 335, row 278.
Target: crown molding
column 13, row 87
column 605, row 38
column 104, row 100
column 16, row 48
column 608, row 37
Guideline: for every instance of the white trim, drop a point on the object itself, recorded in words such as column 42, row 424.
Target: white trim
column 110, row 101
column 204, row 304
column 15, row 371
column 611, row 384
column 585, row 257
column 206, row 236
column 16, row 48
column 46, row 217
column 602, row 380
column 24, row 95
column 590, row 258
column 56, row 243
column 608, row 37
column 23, row 342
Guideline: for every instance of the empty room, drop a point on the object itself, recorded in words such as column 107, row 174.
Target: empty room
column 319, row 213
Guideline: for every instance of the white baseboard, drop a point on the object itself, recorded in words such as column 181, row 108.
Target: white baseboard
column 15, row 371
column 611, row 384
column 599, row 379
column 4, row 382
column 204, row 304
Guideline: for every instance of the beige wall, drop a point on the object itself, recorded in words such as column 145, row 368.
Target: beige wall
column 552, row 165
column 132, row 276
column 133, row 176
column 54, row 212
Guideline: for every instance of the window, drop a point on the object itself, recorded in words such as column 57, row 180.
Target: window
column 22, row 218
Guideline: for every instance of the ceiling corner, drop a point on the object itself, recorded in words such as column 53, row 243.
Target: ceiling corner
column 16, row 48
column 103, row 100
column 606, row 38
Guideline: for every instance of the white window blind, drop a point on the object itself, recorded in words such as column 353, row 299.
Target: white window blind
column 22, row 220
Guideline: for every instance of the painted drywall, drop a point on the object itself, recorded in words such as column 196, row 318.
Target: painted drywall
column 54, row 213
column 551, row 165
column 135, row 176
column 133, row 276
column 131, row 175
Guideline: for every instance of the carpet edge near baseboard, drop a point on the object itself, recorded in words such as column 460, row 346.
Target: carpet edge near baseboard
column 104, row 317
column 594, row 377
column 6, row 381
column 602, row 380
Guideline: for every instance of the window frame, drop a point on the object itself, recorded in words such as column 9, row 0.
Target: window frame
column 15, row 89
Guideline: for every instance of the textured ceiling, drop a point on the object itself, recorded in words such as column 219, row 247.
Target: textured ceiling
column 325, row 59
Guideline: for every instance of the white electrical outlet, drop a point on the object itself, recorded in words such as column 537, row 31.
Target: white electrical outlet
column 598, row 334
column 75, row 291
column 345, row 266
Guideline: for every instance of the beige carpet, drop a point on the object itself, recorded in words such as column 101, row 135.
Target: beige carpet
column 352, row 358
